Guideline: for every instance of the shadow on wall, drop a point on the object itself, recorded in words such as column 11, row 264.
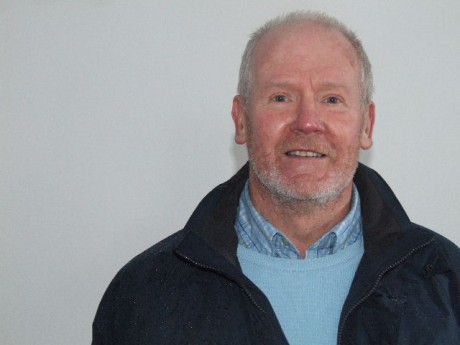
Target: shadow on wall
column 365, row 157
column 239, row 154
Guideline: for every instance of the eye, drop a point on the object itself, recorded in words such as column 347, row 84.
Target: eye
column 279, row 98
column 333, row 100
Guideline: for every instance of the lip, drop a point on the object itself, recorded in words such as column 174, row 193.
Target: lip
column 304, row 153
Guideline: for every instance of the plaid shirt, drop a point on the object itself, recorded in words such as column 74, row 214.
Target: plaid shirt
column 256, row 233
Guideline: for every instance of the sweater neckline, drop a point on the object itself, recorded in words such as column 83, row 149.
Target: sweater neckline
column 342, row 257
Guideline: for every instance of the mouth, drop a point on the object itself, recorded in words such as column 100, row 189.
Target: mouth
column 305, row 154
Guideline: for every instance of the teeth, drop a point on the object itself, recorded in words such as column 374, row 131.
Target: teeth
column 304, row 154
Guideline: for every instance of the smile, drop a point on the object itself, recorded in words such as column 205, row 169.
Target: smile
column 305, row 154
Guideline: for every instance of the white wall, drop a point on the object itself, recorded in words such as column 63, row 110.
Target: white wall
column 115, row 121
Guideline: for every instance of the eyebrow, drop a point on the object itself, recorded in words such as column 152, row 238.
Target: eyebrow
column 333, row 85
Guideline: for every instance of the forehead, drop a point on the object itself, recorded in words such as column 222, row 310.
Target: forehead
column 307, row 49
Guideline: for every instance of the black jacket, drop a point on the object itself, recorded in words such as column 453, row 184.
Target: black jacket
column 189, row 288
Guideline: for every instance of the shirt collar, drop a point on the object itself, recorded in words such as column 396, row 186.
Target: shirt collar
column 255, row 232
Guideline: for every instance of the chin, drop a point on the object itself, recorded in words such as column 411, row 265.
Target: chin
column 288, row 189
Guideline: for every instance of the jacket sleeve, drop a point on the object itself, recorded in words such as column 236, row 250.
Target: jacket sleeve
column 449, row 278
column 104, row 319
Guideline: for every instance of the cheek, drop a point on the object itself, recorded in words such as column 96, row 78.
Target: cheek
column 347, row 137
column 265, row 129
column 264, row 142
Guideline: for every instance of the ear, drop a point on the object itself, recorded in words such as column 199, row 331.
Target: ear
column 368, row 126
column 239, row 119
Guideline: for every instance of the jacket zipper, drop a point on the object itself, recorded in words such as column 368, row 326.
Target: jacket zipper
column 222, row 273
column 371, row 291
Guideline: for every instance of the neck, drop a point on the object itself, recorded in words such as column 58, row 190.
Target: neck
column 302, row 221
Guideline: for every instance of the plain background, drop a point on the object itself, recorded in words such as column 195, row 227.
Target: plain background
column 115, row 121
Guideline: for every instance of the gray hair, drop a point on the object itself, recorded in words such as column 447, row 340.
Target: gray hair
column 298, row 17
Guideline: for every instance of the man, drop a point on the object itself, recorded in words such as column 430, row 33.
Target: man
column 303, row 245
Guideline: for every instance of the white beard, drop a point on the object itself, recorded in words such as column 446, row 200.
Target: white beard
column 288, row 193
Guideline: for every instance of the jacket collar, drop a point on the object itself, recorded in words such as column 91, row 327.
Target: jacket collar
column 214, row 219
column 384, row 219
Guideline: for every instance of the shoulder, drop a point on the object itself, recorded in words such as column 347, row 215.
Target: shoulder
column 144, row 275
column 151, row 262
column 136, row 285
column 447, row 251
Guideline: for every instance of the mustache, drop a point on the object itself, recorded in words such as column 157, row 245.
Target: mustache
column 311, row 143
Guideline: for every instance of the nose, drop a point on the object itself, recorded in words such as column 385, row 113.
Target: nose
column 307, row 119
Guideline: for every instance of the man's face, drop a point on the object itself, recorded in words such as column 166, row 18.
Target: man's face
column 304, row 124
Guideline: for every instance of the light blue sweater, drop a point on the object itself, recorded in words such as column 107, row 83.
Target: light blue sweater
column 306, row 295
